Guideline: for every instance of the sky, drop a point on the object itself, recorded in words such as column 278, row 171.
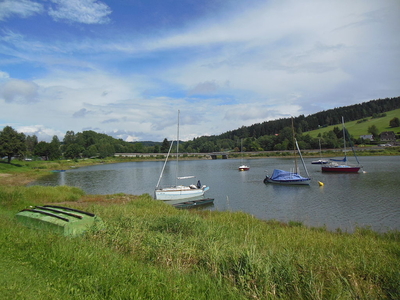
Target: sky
column 125, row 67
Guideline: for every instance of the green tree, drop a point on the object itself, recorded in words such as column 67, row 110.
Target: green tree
column 73, row 151
column 55, row 148
column 31, row 142
column 374, row 131
column 165, row 146
column 91, row 151
column 43, row 149
column 395, row 122
column 12, row 143
column 69, row 139
column 105, row 150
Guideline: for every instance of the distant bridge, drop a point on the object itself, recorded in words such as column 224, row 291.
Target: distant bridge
column 215, row 155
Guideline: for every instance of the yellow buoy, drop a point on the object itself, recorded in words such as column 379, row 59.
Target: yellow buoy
column 320, row 183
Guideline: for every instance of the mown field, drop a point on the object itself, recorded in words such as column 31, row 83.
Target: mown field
column 356, row 129
column 150, row 250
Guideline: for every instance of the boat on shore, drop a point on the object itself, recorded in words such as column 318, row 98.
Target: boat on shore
column 59, row 219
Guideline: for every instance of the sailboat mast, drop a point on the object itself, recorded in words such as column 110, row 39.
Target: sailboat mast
column 344, row 138
column 296, row 168
column 177, row 151
column 302, row 160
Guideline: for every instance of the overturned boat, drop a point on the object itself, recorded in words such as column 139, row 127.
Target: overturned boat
column 59, row 219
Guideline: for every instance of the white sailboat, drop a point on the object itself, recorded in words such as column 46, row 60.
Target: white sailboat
column 320, row 161
column 176, row 191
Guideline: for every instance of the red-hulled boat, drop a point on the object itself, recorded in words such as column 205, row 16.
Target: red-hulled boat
column 335, row 167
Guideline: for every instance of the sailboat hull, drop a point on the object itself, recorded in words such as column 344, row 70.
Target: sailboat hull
column 305, row 181
column 340, row 169
column 319, row 162
column 244, row 168
column 179, row 192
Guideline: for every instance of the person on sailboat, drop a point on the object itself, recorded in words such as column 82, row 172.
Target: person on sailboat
column 198, row 184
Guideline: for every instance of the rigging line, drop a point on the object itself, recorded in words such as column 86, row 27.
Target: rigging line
column 165, row 162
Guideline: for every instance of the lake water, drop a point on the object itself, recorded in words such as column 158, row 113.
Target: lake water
column 366, row 199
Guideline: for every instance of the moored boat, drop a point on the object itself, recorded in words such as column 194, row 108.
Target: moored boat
column 285, row 177
column 176, row 192
column 334, row 167
column 194, row 203
column 319, row 162
column 293, row 177
column 341, row 165
column 244, row 168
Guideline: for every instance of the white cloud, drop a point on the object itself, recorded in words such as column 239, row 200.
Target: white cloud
column 80, row 11
column 4, row 76
column 22, row 8
column 42, row 132
column 19, row 91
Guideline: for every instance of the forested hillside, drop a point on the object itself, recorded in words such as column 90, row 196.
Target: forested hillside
column 315, row 121
column 272, row 135
column 277, row 134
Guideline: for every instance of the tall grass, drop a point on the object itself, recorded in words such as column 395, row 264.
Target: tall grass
column 150, row 250
column 18, row 197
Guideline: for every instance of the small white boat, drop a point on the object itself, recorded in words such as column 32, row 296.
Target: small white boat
column 242, row 167
column 176, row 192
column 320, row 161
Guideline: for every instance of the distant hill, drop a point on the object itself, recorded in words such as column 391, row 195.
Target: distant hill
column 315, row 121
column 360, row 127
column 276, row 134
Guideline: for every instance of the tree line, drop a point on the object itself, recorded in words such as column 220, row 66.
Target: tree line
column 268, row 136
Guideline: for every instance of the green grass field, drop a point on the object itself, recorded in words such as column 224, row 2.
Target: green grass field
column 357, row 129
column 150, row 250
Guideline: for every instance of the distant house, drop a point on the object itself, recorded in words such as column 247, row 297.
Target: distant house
column 367, row 137
column 388, row 136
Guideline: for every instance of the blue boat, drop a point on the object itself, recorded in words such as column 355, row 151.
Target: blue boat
column 285, row 177
column 289, row 178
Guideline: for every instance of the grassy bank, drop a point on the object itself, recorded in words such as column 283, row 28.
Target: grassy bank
column 150, row 250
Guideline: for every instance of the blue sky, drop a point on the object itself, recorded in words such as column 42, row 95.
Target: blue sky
column 125, row 67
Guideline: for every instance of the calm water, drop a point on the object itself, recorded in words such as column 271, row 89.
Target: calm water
column 345, row 201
